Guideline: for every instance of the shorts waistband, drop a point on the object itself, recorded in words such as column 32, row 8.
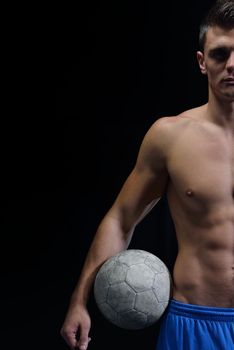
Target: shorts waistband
column 201, row 312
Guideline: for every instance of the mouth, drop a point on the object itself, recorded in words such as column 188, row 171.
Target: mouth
column 229, row 81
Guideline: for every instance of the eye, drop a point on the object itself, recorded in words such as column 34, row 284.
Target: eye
column 219, row 54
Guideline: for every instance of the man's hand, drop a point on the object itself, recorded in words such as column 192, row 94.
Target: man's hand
column 76, row 327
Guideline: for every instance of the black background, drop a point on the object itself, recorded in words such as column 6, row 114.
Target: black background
column 118, row 66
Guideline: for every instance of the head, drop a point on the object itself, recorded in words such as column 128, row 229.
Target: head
column 216, row 51
column 220, row 15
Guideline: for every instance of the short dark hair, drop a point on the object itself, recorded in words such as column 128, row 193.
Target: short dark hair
column 221, row 14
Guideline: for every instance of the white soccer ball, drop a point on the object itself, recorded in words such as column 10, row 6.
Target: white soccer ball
column 132, row 289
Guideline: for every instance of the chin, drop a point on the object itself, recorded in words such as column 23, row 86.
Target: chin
column 229, row 95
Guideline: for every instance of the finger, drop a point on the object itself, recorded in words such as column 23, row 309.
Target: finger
column 83, row 346
column 83, row 341
column 70, row 338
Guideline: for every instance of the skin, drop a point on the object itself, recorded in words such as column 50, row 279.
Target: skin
column 190, row 157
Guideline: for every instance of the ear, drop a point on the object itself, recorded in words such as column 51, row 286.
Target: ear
column 201, row 62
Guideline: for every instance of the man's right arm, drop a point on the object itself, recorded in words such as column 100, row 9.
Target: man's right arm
column 140, row 192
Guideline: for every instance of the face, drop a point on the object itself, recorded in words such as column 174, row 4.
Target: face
column 217, row 62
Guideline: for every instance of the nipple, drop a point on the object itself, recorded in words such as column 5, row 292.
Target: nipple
column 189, row 192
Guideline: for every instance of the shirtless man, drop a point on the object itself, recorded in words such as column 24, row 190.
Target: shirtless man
column 191, row 158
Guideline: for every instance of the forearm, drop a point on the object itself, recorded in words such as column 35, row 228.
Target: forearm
column 109, row 239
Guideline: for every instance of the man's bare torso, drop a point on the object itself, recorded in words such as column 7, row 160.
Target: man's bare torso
column 200, row 164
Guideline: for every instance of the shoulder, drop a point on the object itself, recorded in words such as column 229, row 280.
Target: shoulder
column 157, row 140
column 172, row 125
column 165, row 129
column 160, row 139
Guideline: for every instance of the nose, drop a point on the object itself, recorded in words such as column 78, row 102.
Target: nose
column 230, row 63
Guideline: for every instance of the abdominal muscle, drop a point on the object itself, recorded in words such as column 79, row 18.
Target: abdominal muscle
column 204, row 269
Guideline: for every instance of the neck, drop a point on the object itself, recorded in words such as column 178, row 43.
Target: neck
column 221, row 111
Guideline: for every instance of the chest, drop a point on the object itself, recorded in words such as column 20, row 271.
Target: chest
column 203, row 167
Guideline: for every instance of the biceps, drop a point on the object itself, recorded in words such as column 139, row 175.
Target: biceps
column 141, row 191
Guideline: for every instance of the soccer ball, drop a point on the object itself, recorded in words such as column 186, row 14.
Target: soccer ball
column 132, row 289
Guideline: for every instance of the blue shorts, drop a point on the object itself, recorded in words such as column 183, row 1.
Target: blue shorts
column 193, row 327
